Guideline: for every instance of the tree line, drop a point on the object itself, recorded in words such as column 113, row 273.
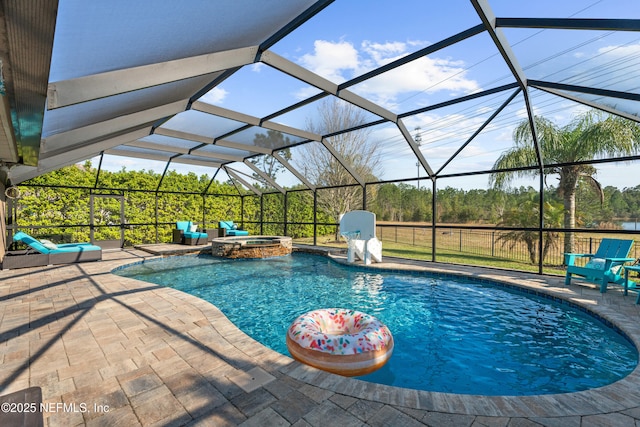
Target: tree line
column 61, row 198
column 578, row 201
column 404, row 203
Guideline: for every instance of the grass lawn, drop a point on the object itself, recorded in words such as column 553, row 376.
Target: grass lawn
column 472, row 247
column 409, row 251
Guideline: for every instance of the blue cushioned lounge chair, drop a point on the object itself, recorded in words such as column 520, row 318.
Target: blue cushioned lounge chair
column 605, row 266
column 51, row 253
column 186, row 233
column 231, row 229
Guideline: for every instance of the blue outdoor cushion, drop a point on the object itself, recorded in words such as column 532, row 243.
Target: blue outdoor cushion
column 53, row 249
column 183, row 225
column 81, row 247
column 232, row 229
column 226, row 224
column 195, row 234
column 31, row 242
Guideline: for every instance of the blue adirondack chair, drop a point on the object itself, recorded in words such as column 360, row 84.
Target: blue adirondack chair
column 605, row 266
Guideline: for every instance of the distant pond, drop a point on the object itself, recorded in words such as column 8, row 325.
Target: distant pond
column 631, row 225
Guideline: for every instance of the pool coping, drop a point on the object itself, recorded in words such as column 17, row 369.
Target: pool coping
column 614, row 397
column 264, row 370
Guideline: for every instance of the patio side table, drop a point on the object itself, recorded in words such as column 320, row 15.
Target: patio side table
column 627, row 269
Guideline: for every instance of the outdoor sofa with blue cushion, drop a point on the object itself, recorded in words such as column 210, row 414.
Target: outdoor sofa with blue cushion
column 186, row 233
column 44, row 252
column 231, row 229
column 605, row 266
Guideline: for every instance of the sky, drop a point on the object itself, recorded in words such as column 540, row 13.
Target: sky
column 349, row 38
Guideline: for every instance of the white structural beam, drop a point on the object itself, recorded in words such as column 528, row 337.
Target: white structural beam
column 161, row 158
column 158, row 147
column 68, row 157
column 264, row 176
column 183, row 135
column 367, row 105
column 323, row 84
column 244, row 147
column 83, row 89
column 489, row 20
column 214, row 155
column 252, row 120
column 67, row 140
column 415, row 148
column 19, row 173
column 294, row 171
column 291, row 131
column 294, row 70
column 237, row 177
column 203, row 107
column 195, row 162
column 198, row 151
column 147, row 156
column 342, row 161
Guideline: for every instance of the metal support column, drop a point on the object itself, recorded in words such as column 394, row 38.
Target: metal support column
column 541, row 226
column 434, row 215
column 242, row 211
column 261, row 213
column 315, row 218
column 286, row 208
column 203, row 226
column 156, row 217
column 364, row 197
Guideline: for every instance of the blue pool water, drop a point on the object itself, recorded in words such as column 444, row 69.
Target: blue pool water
column 451, row 335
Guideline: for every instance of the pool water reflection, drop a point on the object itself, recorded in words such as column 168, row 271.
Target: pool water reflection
column 451, row 335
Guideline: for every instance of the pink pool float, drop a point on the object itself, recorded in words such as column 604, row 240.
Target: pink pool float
column 342, row 341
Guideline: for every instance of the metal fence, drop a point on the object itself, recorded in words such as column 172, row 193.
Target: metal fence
column 487, row 243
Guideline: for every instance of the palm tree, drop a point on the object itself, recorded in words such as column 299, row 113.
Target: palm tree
column 525, row 215
column 587, row 137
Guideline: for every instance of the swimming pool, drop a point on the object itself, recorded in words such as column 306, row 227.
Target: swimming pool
column 455, row 336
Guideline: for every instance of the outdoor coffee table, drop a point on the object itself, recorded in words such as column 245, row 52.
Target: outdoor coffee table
column 627, row 269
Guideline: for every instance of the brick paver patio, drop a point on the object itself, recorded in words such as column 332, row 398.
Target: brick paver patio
column 113, row 351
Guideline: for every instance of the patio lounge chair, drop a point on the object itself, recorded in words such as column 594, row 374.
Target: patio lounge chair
column 46, row 253
column 186, row 233
column 230, row 229
column 605, row 266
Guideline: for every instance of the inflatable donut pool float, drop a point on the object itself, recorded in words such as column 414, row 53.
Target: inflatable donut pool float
column 342, row 341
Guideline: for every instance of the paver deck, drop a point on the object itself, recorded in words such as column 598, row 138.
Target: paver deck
column 114, row 351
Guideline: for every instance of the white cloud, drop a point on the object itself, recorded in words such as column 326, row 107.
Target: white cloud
column 523, row 114
column 330, row 59
column 624, row 51
column 341, row 61
column 306, row 92
column 214, row 96
column 382, row 53
column 423, row 75
column 485, row 110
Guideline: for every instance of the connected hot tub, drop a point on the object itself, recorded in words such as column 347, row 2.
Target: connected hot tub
column 251, row 246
